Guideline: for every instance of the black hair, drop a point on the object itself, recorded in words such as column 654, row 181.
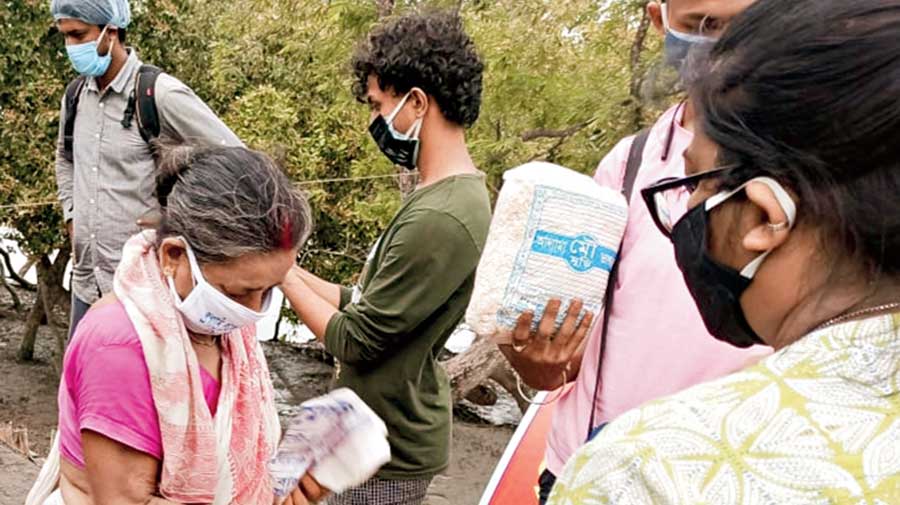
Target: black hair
column 808, row 92
column 429, row 50
column 120, row 32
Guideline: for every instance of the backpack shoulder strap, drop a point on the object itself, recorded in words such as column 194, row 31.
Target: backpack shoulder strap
column 145, row 107
column 73, row 95
column 635, row 159
column 632, row 167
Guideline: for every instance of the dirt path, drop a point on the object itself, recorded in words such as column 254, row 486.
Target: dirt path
column 28, row 390
column 17, row 474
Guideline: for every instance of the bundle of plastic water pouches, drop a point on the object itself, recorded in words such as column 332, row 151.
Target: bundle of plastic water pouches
column 336, row 438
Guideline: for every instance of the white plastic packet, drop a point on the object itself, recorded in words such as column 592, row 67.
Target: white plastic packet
column 555, row 234
column 337, row 438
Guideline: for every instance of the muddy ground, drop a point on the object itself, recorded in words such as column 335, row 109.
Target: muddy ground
column 28, row 401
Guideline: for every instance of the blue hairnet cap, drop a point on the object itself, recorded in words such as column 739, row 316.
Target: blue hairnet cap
column 95, row 12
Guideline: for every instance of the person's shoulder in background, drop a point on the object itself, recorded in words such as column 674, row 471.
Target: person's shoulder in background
column 106, row 323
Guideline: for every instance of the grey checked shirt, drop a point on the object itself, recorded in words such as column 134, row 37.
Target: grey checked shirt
column 110, row 184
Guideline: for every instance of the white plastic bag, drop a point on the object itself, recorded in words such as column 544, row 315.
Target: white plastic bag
column 555, row 234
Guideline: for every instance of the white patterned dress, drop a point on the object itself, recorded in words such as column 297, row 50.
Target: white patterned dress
column 816, row 423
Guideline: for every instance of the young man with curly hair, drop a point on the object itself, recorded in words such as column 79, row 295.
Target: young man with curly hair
column 421, row 76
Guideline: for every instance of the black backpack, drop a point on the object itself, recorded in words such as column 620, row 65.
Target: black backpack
column 141, row 105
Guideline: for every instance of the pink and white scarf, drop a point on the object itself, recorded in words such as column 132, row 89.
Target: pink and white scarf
column 219, row 460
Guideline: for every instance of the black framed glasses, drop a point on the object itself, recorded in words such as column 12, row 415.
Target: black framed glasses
column 667, row 198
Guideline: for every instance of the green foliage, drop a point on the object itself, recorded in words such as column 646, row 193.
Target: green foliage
column 32, row 78
column 34, row 71
column 551, row 66
column 278, row 74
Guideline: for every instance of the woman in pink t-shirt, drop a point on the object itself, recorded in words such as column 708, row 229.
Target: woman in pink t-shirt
column 165, row 394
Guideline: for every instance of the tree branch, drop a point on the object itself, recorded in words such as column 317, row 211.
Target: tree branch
column 637, row 74
column 12, row 272
column 16, row 303
column 472, row 367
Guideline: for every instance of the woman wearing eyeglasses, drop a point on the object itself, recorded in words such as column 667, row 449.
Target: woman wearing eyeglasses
column 790, row 237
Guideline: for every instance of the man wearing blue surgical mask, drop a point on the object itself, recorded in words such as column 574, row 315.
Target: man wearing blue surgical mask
column 689, row 23
column 110, row 113
column 652, row 341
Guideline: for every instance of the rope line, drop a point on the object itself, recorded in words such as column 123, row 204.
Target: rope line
column 299, row 183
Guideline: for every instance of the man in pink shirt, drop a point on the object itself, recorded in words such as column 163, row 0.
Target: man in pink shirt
column 656, row 342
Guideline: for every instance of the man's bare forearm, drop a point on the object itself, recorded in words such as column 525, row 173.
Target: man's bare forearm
column 313, row 309
column 328, row 291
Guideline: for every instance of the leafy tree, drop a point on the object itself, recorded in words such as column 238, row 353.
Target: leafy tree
column 563, row 84
column 34, row 71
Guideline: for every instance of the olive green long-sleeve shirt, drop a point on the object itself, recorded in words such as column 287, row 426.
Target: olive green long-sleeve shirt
column 413, row 292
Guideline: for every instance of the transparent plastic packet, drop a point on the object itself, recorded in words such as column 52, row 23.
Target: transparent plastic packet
column 324, row 427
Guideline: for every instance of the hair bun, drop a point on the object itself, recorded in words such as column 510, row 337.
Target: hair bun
column 171, row 161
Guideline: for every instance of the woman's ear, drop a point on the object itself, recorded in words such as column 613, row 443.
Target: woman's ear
column 773, row 226
column 171, row 256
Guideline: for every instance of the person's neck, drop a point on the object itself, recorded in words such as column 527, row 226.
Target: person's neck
column 203, row 340
column 834, row 305
column 444, row 154
column 689, row 118
column 119, row 58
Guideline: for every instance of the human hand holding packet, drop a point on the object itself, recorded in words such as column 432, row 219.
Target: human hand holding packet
column 555, row 234
column 336, row 438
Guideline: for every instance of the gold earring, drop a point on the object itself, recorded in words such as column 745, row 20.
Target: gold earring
column 776, row 227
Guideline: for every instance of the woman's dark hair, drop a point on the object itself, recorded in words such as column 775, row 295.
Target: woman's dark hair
column 428, row 50
column 228, row 202
column 808, row 92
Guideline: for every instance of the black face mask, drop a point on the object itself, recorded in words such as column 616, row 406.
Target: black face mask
column 401, row 149
column 716, row 288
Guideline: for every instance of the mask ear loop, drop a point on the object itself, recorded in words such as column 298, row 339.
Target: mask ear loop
column 173, row 291
column 415, row 129
column 398, row 108
column 784, row 200
column 169, row 274
column 100, row 39
column 790, row 210
column 196, row 273
column 664, row 11
column 703, row 26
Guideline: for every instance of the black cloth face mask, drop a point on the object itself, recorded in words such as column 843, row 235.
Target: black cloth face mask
column 717, row 288
column 401, row 148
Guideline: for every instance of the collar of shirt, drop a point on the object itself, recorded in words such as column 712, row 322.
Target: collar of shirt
column 120, row 83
